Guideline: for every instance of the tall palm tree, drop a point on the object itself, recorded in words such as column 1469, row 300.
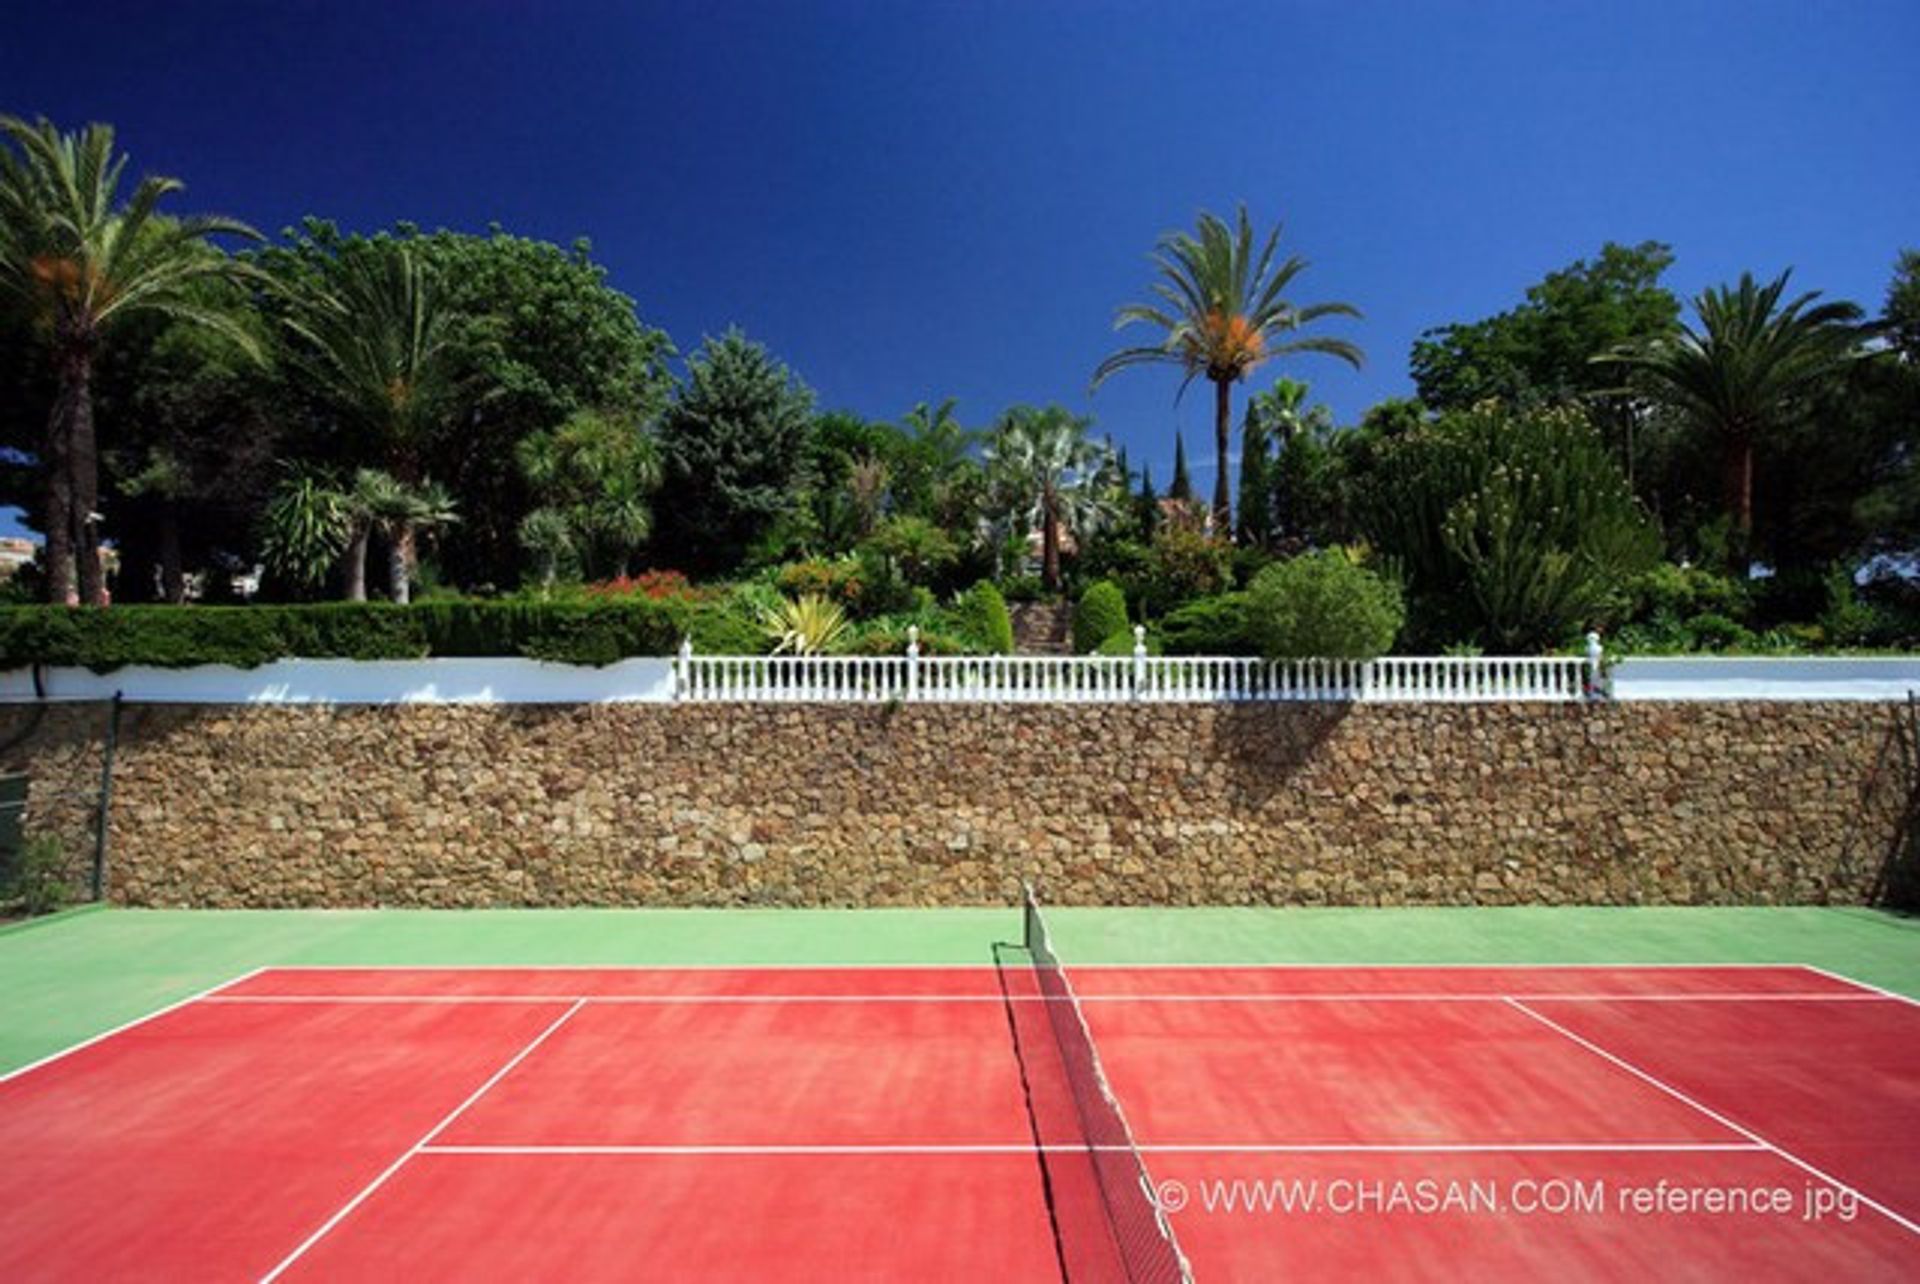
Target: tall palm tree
column 368, row 341
column 1046, row 474
column 81, row 261
column 1222, row 308
column 1745, row 370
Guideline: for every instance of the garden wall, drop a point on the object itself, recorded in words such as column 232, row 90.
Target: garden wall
column 1298, row 804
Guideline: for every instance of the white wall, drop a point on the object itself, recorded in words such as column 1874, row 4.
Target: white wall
column 438, row 681
column 517, row 681
column 1759, row 678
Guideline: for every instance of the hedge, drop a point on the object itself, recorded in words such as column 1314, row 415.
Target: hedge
column 175, row 637
column 1101, row 614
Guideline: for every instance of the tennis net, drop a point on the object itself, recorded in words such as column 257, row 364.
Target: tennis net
column 1147, row 1250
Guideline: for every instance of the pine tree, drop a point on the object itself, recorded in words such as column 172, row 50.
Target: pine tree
column 1182, row 488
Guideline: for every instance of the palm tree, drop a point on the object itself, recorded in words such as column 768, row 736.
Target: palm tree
column 368, row 342
column 1047, row 474
column 82, row 261
column 1222, row 309
column 595, row 473
column 402, row 514
column 1746, row 370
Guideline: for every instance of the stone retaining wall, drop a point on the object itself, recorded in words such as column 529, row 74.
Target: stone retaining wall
column 946, row 805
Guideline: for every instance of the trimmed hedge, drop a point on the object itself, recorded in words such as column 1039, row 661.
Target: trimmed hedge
column 177, row 637
column 982, row 618
column 1101, row 614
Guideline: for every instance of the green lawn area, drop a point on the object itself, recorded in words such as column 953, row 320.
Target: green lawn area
column 66, row 978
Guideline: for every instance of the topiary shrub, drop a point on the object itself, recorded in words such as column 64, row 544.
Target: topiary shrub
column 1102, row 612
column 1323, row 605
column 1209, row 626
column 980, row 616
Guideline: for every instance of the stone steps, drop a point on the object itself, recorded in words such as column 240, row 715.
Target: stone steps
column 1042, row 628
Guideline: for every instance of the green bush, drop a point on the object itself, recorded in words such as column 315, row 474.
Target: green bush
column 980, row 616
column 1121, row 644
column 1101, row 613
column 1683, row 591
column 1184, row 564
column 37, row 882
column 1208, row 626
column 1022, row 588
column 182, row 636
column 1847, row 620
column 1323, row 605
column 1711, row 631
column 1515, row 528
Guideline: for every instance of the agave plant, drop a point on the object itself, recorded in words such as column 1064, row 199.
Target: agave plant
column 807, row 625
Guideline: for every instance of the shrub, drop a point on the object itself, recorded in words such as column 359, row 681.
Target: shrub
column 1846, row 621
column 1323, row 605
column 1122, row 643
column 1683, row 591
column 808, row 625
column 38, row 881
column 920, row 549
column 1711, row 631
column 980, row 616
column 245, row 637
column 656, row 585
column 1515, row 528
column 1208, row 626
column 1183, row 564
column 1102, row 612
column 1022, row 588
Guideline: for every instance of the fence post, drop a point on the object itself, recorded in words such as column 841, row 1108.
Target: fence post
column 1139, row 661
column 1596, row 677
column 913, row 661
column 683, row 670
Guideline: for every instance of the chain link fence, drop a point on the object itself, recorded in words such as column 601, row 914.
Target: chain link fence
column 56, row 787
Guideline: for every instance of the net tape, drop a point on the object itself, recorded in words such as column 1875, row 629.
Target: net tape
column 1148, row 1251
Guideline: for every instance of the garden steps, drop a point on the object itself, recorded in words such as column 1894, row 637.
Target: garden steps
column 1042, row 628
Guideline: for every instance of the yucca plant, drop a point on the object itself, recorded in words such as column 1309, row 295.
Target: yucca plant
column 305, row 529
column 81, row 261
column 1220, row 303
column 806, row 625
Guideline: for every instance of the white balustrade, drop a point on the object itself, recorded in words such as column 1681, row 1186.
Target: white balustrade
column 1100, row 679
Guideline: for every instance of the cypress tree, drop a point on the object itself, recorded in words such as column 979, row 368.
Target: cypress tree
column 1182, row 488
column 1255, row 518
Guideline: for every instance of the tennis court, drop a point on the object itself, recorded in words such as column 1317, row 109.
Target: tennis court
column 954, row 1122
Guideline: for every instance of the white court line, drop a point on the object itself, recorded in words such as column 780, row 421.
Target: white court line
column 1880, row 990
column 1758, row 996
column 124, row 1026
column 1717, row 1117
column 1223, row 966
column 394, row 1167
column 1220, row 1148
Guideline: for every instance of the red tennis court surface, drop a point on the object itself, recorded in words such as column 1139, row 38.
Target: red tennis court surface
column 1750, row 1123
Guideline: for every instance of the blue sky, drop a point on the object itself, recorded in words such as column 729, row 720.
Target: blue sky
column 908, row 201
